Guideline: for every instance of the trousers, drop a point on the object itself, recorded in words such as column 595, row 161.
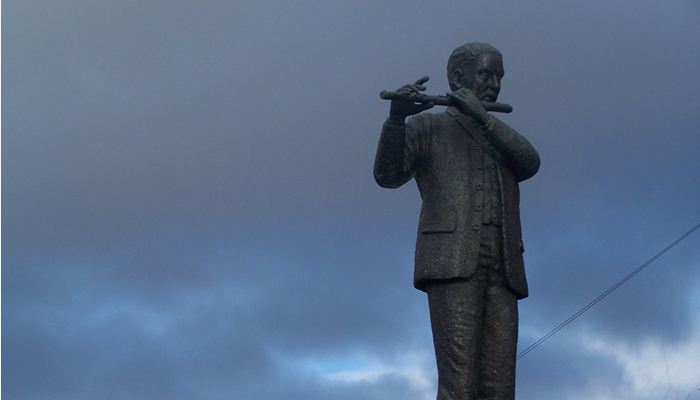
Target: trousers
column 475, row 328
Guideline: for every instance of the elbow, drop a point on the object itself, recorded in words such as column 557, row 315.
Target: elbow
column 386, row 180
column 386, row 174
column 390, row 177
column 530, row 168
column 534, row 165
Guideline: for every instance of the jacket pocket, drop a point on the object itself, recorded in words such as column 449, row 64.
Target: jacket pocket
column 446, row 225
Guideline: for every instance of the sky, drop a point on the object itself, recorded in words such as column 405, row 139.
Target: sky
column 189, row 212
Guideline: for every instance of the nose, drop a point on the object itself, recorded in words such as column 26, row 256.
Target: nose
column 495, row 83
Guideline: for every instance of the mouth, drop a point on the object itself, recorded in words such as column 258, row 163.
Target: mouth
column 489, row 95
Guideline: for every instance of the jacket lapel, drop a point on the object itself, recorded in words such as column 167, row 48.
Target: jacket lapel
column 474, row 132
column 469, row 126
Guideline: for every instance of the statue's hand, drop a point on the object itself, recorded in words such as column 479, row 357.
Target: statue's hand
column 467, row 103
column 400, row 109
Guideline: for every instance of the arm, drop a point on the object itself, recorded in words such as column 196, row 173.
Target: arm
column 397, row 152
column 518, row 154
column 401, row 146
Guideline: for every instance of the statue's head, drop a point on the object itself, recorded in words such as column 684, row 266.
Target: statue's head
column 476, row 66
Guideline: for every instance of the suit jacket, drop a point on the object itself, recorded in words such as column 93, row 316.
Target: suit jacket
column 447, row 154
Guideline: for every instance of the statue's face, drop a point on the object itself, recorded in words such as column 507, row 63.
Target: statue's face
column 484, row 78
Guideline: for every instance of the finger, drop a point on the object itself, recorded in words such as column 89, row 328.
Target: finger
column 459, row 94
column 422, row 80
column 427, row 106
column 411, row 88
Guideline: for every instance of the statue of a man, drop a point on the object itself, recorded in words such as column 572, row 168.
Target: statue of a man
column 467, row 164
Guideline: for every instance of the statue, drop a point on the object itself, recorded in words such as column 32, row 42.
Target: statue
column 467, row 164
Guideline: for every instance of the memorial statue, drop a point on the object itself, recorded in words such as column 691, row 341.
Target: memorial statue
column 467, row 164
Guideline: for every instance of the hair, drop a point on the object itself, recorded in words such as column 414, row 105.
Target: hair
column 465, row 56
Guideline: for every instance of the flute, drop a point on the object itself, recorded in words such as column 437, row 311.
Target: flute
column 441, row 101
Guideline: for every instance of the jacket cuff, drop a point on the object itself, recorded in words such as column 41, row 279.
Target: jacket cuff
column 394, row 124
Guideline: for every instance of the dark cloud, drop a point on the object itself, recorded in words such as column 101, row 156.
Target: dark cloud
column 189, row 210
column 166, row 326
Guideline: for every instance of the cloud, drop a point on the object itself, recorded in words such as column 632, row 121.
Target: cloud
column 654, row 369
column 189, row 209
column 416, row 377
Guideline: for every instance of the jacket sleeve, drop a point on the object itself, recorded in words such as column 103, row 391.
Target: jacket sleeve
column 518, row 154
column 400, row 151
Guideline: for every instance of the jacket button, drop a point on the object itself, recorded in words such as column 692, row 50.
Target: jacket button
column 480, row 166
column 479, row 186
column 478, row 207
column 477, row 227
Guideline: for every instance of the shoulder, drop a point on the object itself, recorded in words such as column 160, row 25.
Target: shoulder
column 425, row 121
column 419, row 119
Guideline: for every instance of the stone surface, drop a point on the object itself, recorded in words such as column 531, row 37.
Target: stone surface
column 467, row 165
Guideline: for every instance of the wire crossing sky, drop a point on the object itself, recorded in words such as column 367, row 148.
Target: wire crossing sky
column 607, row 292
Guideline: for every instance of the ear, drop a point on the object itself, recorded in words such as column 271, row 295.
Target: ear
column 456, row 78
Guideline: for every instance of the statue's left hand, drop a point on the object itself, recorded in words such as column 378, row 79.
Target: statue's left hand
column 467, row 103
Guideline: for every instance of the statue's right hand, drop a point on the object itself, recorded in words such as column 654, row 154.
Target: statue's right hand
column 400, row 109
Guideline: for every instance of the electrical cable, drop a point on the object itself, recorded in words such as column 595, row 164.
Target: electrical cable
column 607, row 292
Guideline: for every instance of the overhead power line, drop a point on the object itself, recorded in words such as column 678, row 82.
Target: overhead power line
column 607, row 292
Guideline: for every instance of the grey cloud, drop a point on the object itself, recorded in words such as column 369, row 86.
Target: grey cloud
column 187, row 186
